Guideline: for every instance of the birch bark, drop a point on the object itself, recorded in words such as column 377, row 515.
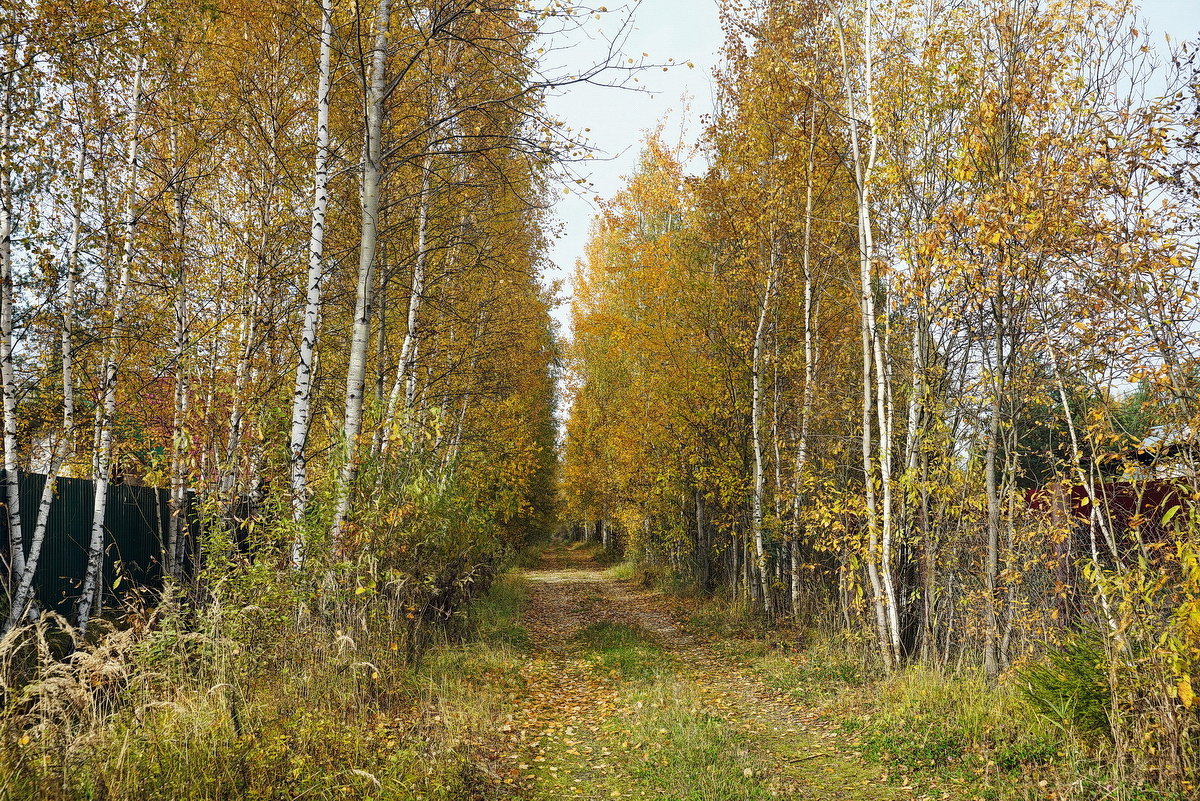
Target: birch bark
column 178, row 496
column 23, row 596
column 991, row 657
column 302, row 393
column 117, row 296
column 406, row 368
column 756, row 398
column 368, row 241
column 862, row 165
column 12, row 487
column 806, row 399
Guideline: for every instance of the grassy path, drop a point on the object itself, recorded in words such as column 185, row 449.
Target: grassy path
column 623, row 702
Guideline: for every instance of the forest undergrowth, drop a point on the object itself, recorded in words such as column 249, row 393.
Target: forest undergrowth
column 566, row 679
column 262, row 699
column 941, row 731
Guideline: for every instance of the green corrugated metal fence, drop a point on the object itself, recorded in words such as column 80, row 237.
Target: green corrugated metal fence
column 135, row 523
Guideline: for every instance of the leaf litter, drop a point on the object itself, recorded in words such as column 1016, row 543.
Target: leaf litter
column 689, row 723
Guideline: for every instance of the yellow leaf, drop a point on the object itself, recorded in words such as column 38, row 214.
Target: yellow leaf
column 1186, row 695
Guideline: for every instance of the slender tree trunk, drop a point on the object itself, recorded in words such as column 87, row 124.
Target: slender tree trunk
column 1095, row 518
column 97, row 425
column 406, row 369
column 368, row 242
column 702, row 543
column 914, row 443
column 70, row 289
column 23, row 596
column 247, row 336
column 783, row 562
column 991, row 656
column 806, row 399
column 229, row 461
column 182, row 344
column 118, row 296
column 381, row 353
column 302, row 393
column 863, row 164
column 756, row 393
column 885, row 409
column 12, row 478
column 878, row 347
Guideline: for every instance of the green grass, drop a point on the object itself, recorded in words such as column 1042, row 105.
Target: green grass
column 328, row 711
column 953, row 729
column 660, row 743
column 728, row 618
column 621, row 651
column 622, row 571
column 681, row 752
column 817, row 673
column 496, row 617
column 940, row 730
column 529, row 555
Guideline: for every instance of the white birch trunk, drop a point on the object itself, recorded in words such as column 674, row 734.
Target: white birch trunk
column 991, row 657
column 879, row 351
column 241, row 373
column 1084, row 479
column 117, row 296
column 302, row 393
column 861, row 166
column 756, row 502
column 368, row 241
column 69, row 302
column 23, row 596
column 177, row 526
column 806, row 400
column 12, row 487
column 406, row 372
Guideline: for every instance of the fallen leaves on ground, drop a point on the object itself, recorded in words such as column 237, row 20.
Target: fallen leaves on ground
column 577, row 731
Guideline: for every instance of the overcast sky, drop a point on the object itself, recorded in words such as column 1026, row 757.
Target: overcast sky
column 683, row 30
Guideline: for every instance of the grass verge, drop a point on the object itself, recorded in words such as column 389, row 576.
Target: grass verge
column 329, row 712
column 675, row 748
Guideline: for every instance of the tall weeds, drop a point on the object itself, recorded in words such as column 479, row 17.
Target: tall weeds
column 362, row 675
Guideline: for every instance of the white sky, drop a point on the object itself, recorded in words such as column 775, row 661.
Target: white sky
column 685, row 30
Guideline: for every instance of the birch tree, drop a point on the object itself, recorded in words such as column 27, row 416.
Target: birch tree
column 372, row 177
column 302, row 393
column 117, row 292
column 12, row 488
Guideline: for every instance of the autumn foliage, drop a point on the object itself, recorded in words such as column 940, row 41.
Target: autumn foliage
column 941, row 256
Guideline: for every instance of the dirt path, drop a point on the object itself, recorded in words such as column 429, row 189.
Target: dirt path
column 621, row 701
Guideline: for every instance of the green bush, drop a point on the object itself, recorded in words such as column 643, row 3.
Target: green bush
column 1070, row 686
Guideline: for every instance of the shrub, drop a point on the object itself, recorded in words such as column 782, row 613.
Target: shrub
column 1069, row 685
